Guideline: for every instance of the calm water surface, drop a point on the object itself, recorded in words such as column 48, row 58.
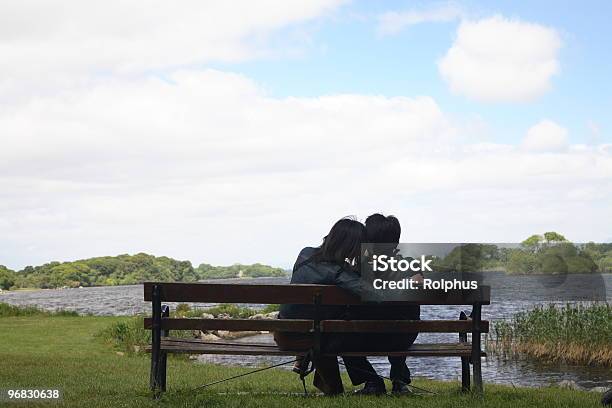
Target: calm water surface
column 509, row 297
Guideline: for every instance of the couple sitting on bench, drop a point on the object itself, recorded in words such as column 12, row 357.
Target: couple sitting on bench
column 336, row 262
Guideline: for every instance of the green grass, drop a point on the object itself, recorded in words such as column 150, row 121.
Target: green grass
column 7, row 310
column 65, row 352
column 577, row 334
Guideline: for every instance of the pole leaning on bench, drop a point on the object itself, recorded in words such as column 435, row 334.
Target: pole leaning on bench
column 465, row 361
column 155, row 380
column 163, row 356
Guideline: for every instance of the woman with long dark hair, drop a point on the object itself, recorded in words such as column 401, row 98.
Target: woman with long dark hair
column 335, row 262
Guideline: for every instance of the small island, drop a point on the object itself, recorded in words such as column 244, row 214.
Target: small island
column 125, row 270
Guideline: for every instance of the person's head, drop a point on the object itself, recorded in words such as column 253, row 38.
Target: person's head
column 383, row 230
column 343, row 242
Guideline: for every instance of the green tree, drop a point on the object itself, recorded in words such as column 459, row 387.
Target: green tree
column 552, row 264
column 532, row 243
column 7, row 278
column 605, row 263
column 552, row 237
column 466, row 258
column 522, row 262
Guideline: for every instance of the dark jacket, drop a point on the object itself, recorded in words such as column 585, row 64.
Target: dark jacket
column 321, row 273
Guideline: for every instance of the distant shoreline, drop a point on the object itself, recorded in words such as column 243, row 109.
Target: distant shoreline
column 21, row 290
column 262, row 277
column 136, row 284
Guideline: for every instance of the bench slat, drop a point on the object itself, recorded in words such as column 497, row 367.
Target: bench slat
column 402, row 326
column 195, row 346
column 299, row 294
column 329, row 326
column 217, row 342
column 294, row 325
column 243, row 293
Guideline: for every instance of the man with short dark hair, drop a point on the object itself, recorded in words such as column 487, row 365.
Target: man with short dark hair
column 382, row 229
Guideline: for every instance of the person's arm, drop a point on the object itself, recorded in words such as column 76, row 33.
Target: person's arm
column 417, row 277
column 353, row 283
column 350, row 281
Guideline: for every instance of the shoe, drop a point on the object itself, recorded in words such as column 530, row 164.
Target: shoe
column 400, row 388
column 372, row 388
column 301, row 365
column 297, row 367
column 606, row 399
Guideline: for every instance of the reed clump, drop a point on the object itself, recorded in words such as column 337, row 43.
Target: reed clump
column 574, row 333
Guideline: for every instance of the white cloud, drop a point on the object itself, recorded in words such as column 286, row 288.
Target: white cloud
column 393, row 22
column 206, row 166
column 207, row 156
column 501, row 60
column 103, row 153
column 546, row 136
column 54, row 44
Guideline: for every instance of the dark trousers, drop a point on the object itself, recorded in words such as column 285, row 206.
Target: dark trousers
column 327, row 373
column 385, row 341
column 360, row 369
column 399, row 368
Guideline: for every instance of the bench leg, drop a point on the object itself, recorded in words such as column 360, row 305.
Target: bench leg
column 477, row 376
column 465, row 361
column 476, row 351
column 162, row 371
column 158, row 372
column 154, row 370
column 465, row 374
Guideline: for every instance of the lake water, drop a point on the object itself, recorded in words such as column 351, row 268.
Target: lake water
column 509, row 296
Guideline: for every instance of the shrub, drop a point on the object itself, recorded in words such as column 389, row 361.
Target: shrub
column 231, row 310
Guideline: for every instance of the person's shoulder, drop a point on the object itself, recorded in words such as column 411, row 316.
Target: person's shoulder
column 302, row 257
column 306, row 253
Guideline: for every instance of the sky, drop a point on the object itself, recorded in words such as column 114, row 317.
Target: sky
column 226, row 132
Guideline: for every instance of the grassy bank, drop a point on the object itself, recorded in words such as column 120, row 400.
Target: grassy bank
column 7, row 310
column 66, row 352
column 576, row 334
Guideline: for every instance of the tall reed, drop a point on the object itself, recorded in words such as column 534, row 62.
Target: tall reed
column 574, row 333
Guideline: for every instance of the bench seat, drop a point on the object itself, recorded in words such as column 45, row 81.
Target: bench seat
column 198, row 346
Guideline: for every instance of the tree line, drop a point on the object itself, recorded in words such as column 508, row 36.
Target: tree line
column 124, row 270
column 548, row 253
column 551, row 252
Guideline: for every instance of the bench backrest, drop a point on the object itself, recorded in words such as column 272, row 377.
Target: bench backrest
column 307, row 294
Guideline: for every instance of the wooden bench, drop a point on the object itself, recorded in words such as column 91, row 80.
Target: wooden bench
column 318, row 295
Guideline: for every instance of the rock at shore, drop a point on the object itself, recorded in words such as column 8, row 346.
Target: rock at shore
column 215, row 335
column 264, row 316
column 209, row 336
